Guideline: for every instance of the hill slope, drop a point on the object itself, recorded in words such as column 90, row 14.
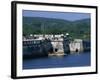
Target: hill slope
column 40, row 25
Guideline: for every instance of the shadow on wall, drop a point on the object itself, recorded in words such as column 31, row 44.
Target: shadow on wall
column 66, row 45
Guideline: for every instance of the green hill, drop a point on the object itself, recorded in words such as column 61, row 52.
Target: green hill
column 40, row 25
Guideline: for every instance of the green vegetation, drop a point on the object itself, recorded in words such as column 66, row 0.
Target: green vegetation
column 39, row 25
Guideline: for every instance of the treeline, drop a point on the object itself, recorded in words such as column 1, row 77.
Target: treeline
column 39, row 25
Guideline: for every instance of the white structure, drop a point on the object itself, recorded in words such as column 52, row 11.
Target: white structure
column 76, row 45
column 67, row 34
column 38, row 35
column 61, row 45
column 59, row 36
column 31, row 35
column 58, row 44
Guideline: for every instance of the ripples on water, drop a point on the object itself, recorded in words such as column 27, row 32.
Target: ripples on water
column 71, row 60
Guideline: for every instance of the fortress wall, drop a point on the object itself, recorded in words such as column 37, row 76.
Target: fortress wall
column 76, row 45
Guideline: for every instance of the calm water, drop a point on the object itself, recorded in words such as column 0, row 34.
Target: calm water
column 71, row 60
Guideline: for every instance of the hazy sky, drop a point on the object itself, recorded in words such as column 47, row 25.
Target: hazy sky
column 58, row 15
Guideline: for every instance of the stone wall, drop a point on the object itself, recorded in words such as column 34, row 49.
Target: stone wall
column 76, row 45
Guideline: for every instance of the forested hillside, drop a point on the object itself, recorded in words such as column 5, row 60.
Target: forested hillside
column 40, row 25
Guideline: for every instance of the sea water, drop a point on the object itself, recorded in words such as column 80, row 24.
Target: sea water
column 70, row 60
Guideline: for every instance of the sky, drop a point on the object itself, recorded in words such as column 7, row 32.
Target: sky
column 71, row 16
